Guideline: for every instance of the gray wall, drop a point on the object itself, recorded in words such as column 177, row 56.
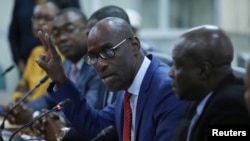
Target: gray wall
column 11, row 79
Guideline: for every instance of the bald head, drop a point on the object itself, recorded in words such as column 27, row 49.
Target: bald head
column 209, row 43
column 202, row 59
column 111, row 26
column 115, row 52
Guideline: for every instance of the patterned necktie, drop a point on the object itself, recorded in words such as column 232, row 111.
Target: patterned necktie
column 127, row 117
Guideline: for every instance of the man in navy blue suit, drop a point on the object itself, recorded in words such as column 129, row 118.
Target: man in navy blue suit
column 115, row 53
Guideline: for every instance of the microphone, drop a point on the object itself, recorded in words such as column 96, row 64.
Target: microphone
column 22, row 99
column 103, row 133
column 7, row 70
column 58, row 107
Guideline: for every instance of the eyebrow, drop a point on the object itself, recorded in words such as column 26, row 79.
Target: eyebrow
column 65, row 25
column 101, row 48
column 106, row 45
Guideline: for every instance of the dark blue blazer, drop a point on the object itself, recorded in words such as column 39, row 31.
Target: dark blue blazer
column 158, row 111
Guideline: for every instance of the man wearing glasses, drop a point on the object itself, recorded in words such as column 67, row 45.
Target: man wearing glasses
column 146, row 108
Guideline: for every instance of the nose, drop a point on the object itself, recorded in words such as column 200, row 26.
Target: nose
column 100, row 65
column 41, row 21
column 61, row 38
column 171, row 72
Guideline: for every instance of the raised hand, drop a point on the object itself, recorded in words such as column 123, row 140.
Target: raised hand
column 50, row 61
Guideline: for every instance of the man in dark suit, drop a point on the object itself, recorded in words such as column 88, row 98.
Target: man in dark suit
column 202, row 73
column 115, row 53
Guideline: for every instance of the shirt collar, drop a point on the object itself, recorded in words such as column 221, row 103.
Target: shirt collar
column 135, row 86
column 79, row 64
column 202, row 104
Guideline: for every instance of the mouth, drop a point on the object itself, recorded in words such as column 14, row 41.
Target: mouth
column 64, row 48
column 106, row 78
column 38, row 29
column 173, row 86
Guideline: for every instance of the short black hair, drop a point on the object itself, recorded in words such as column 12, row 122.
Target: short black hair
column 75, row 10
column 61, row 4
column 110, row 11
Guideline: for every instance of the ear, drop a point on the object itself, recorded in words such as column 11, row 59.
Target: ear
column 205, row 70
column 135, row 44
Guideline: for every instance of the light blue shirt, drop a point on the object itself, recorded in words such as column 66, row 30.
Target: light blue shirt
column 202, row 104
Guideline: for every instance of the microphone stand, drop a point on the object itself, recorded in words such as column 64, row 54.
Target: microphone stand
column 7, row 70
column 103, row 133
column 22, row 99
column 30, row 123
column 19, row 101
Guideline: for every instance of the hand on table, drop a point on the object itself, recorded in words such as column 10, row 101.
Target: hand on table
column 20, row 115
column 48, row 126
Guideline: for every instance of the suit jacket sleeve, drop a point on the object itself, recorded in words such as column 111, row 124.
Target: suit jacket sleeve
column 89, row 121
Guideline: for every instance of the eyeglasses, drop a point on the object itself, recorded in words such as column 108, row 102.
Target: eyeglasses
column 108, row 53
column 66, row 31
column 36, row 18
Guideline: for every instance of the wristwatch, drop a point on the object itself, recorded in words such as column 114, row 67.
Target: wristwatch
column 61, row 133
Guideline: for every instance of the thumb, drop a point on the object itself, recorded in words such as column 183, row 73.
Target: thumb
column 41, row 62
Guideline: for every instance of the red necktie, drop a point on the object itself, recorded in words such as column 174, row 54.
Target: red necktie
column 127, row 117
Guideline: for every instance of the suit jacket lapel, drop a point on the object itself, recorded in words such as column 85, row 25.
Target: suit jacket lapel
column 66, row 66
column 119, row 113
column 81, row 75
column 181, row 133
column 190, row 116
column 143, row 92
column 139, row 110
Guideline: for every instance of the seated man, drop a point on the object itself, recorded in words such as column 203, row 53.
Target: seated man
column 106, row 98
column 145, row 109
column 202, row 73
